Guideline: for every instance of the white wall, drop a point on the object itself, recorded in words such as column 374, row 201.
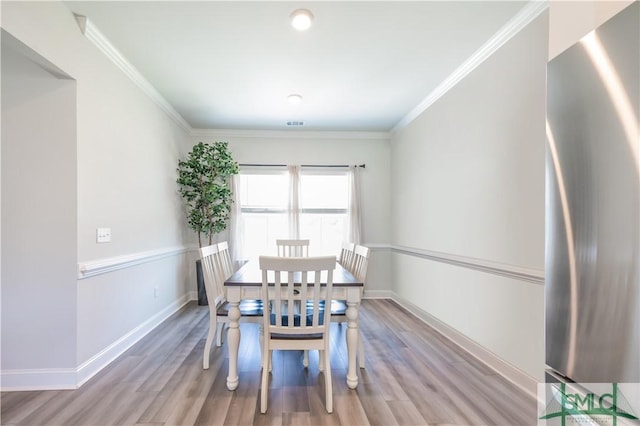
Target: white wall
column 39, row 215
column 468, row 183
column 127, row 158
column 478, row 155
column 298, row 147
column 123, row 167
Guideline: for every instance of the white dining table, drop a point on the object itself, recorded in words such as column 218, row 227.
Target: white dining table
column 246, row 284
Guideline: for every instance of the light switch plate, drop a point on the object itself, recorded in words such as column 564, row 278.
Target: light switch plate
column 103, row 235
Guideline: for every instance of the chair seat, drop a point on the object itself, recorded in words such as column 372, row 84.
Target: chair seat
column 248, row 308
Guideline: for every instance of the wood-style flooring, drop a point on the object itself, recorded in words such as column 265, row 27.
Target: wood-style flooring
column 413, row 376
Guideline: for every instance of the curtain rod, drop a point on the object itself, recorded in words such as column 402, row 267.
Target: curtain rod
column 304, row 165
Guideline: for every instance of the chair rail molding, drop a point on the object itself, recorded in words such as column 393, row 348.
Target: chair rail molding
column 522, row 273
column 102, row 266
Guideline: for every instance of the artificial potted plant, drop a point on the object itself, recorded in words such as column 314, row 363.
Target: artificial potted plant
column 204, row 184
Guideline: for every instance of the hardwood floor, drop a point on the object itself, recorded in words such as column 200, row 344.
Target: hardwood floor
column 413, row 376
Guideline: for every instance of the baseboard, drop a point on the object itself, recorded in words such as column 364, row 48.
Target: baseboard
column 192, row 295
column 38, row 379
column 91, row 367
column 516, row 376
column 73, row 378
column 378, row 294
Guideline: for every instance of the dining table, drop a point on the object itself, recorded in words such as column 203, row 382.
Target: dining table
column 246, row 284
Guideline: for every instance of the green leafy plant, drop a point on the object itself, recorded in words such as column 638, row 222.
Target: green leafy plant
column 204, row 183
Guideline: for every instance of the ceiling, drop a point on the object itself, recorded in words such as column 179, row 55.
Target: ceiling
column 362, row 66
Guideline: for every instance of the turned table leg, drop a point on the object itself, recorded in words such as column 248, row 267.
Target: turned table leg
column 233, row 338
column 352, row 343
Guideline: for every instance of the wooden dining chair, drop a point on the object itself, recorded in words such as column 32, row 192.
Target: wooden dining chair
column 286, row 325
column 346, row 255
column 360, row 262
column 359, row 267
column 293, row 248
column 357, row 264
column 214, row 276
column 225, row 259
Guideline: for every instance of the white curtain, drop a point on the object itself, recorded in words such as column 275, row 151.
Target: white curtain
column 294, row 202
column 353, row 213
column 236, row 228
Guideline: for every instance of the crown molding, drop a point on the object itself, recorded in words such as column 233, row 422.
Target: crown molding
column 523, row 18
column 289, row 134
column 103, row 44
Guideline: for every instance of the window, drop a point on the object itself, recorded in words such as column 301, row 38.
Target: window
column 263, row 204
column 324, row 199
column 265, row 210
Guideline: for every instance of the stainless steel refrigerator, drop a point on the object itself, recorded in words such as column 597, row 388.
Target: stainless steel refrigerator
column 592, row 264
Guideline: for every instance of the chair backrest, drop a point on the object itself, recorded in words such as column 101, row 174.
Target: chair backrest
column 360, row 262
column 213, row 276
column 292, row 287
column 346, row 255
column 225, row 259
column 293, row 248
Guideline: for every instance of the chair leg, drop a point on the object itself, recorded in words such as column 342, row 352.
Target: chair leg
column 264, row 358
column 264, row 388
column 305, row 358
column 327, row 381
column 219, row 331
column 321, row 360
column 209, row 341
column 261, row 340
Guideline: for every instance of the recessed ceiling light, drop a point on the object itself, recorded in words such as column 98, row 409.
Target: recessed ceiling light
column 294, row 99
column 301, row 19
